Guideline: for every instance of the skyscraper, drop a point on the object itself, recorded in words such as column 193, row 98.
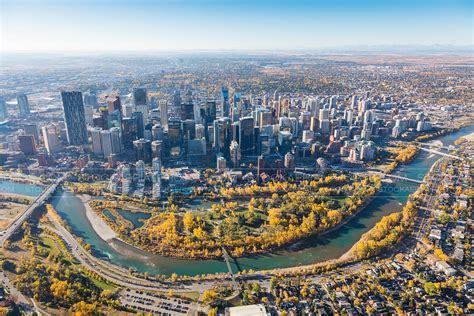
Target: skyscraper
column 3, row 109
column 50, row 138
column 23, row 105
column 74, row 117
column 139, row 97
column 27, row 144
column 246, row 136
column 225, row 102
column 164, row 113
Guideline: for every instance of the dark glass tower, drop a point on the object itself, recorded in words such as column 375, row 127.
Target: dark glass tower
column 74, row 117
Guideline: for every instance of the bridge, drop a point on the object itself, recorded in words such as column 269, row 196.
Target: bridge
column 437, row 152
column 402, row 178
column 39, row 201
column 226, row 256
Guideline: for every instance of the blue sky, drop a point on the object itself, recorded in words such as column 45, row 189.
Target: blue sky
column 141, row 25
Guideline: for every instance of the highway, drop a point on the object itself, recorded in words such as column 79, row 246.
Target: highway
column 19, row 220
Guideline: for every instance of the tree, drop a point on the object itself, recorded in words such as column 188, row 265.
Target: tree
column 188, row 220
column 209, row 296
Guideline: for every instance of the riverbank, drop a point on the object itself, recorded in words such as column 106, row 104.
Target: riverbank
column 98, row 224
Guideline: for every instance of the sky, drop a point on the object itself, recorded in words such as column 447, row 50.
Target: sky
column 169, row 25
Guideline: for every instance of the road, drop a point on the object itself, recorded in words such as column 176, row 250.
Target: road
column 19, row 220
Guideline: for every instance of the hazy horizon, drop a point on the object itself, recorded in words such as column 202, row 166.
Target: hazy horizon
column 235, row 25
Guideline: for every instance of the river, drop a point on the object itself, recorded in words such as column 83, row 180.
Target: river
column 330, row 246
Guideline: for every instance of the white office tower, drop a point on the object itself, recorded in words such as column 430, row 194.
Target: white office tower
column 116, row 140
column 325, row 126
column 369, row 117
column 363, row 106
column 50, row 138
column 106, row 141
column 140, row 169
column 89, row 114
column 221, row 163
column 235, row 154
column 349, row 116
column 127, row 110
column 156, row 190
column 323, row 114
column 164, row 113
column 423, row 126
column 156, row 164
column 200, row 131
column 308, row 136
column 96, row 142
column 355, row 102
column 367, row 152
column 314, row 106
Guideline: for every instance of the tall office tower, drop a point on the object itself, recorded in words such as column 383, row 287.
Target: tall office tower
column 116, row 140
column 364, row 105
column 305, row 120
column 207, row 112
column 355, row 102
column 50, row 138
column 164, row 113
column 32, row 129
column 189, row 129
column 156, row 148
column 284, row 142
column 323, row 114
column 333, row 102
column 314, row 124
column 140, row 168
column 235, row 154
column 3, row 109
column 23, row 105
column 325, row 127
column 89, row 114
column 96, row 141
column 142, row 150
column 27, row 144
column 114, row 119
column 76, row 129
column 348, row 117
column 156, row 190
column 127, row 110
column 225, row 102
column 138, row 116
column 176, row 101
column 187, row 110
column 246, row 136
column 114, row 104
column 222, row 136
column 174, row 132
column 139, row 96
column 106, row 142
column 129, row 132
column 265, row 118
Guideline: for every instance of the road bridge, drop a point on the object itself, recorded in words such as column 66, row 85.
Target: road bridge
column 39, row 201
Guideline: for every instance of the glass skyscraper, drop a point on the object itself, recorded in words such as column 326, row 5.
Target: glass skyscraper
column 74, row 117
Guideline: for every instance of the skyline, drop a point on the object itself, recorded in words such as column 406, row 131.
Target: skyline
column 207, row 25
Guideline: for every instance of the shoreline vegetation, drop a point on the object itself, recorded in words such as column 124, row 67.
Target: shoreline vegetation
column 402, row 155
